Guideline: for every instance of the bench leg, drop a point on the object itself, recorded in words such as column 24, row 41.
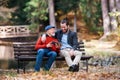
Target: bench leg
column 86, row 65
column 54, row 64
column 18, row 63
column 23, row 66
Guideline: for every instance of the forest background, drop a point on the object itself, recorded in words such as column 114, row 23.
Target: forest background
column 91, row 19
column 98, row 17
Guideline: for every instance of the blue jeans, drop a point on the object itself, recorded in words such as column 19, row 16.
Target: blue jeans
column 40, row 54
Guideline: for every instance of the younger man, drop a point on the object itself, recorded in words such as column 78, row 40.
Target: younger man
column 69, row 43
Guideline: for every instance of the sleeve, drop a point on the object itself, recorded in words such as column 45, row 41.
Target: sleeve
column 75, row 41
column 54, row 48
column 39, row 44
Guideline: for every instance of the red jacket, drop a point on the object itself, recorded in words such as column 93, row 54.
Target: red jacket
column 40, row 44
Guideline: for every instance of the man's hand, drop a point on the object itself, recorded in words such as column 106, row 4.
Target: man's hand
column 71, row 52
column 49, row 45
column 57, row 45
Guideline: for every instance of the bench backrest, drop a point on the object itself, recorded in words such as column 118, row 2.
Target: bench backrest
column 24, row 48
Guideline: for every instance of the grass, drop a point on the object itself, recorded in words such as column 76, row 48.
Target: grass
column 10, row 73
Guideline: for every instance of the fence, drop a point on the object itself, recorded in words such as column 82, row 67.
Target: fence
column 13, row 31
column 9, row 34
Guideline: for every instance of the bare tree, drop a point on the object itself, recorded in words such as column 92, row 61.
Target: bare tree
column 118, row 5
column 118, row 9
column 75, row 21
column 51, row 18
column 113, row 21
column 106, row 19
column 51, row 12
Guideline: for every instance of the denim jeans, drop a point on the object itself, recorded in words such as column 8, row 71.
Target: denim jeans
column 39, row 59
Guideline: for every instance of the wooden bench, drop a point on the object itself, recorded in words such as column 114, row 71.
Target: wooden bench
column 24, row 51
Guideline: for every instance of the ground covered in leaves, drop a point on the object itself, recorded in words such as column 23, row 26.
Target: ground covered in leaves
column 94, row 73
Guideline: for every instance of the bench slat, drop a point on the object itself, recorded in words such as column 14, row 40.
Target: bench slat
column 24, row 43
column 24, row 53
column 24, row 49
column 33, row 58
column 24, row 46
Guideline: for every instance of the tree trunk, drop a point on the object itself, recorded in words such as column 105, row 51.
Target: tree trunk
column 118, row 9
column 113, row 21
column 51, row 19
column 75, row 22
column 106, row 19
column 118, row 5
column 118, row 25
column 51, row 13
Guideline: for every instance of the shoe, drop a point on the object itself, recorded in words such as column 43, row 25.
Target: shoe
column 76, row 68
column 44, row 69
column 71, row 68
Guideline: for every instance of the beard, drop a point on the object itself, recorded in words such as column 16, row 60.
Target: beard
column 65, row 31
column 53, row 34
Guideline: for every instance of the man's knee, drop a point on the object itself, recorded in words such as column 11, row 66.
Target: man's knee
column 77, row 53
column 65, row 53
column 40, row 51
column 54, row 54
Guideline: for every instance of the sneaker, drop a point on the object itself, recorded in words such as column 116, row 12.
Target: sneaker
column 71, row 68
column 76, row 68
column 44, row 69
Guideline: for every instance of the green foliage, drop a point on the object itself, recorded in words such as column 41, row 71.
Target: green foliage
column 97, row 30
column 1, row 18
column 117, row 17
column 36, row 11
column 91, row 12
column 114, row 14
column 67, row 5
column 33, row 26
column 19, row 16
column 8, row 73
